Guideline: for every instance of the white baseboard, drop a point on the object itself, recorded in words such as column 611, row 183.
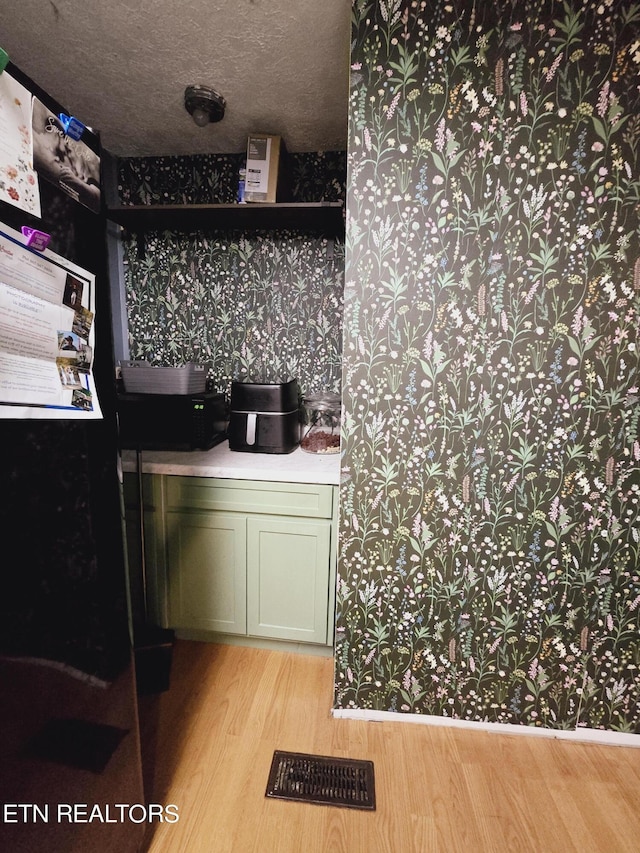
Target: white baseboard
column 581, row 734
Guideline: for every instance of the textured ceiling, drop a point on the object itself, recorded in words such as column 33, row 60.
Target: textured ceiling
column 122, row 68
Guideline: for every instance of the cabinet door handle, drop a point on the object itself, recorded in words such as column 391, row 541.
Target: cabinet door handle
column 251, row 428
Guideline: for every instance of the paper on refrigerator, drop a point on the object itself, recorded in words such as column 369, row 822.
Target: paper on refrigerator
column 47, row 330
column 18, row 180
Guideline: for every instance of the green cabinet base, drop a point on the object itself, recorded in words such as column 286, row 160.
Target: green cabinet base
column 249, row 560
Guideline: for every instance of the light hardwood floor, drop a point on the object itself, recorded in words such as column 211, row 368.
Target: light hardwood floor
column 210, row 739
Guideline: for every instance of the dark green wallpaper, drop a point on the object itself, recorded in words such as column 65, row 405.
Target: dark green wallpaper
column 264, row 306
column 489, row 533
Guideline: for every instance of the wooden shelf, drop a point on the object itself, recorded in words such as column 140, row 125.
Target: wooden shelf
column 318, row 217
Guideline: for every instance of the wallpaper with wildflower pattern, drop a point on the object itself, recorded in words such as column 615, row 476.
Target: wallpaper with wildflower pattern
column 263, row 306
column 489, row 537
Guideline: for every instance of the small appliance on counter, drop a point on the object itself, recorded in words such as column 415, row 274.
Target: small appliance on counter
column 264, row 417
column 171, row 421
column 169, row 408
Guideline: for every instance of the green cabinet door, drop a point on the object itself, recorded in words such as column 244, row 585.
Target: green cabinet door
column 288, row 578
column 207, row 571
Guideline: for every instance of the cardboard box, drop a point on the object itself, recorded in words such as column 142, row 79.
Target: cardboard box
column 265, row 179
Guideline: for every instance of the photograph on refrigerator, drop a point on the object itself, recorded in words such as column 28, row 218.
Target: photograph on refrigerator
column 63, row 161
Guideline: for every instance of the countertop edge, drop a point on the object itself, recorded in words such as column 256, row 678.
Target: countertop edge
column 296, row 467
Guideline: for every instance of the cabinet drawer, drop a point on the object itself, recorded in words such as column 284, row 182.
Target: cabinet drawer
column 294, row 499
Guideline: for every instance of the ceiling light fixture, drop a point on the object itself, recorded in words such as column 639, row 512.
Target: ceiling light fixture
column 204, row 104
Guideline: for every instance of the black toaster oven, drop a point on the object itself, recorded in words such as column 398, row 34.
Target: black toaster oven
column 172, row 421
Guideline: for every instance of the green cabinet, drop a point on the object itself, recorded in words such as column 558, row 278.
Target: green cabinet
column 207, row 584
column 242, row 557
column 288, row 578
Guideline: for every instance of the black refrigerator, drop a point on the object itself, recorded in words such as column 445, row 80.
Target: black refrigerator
column 70, row 767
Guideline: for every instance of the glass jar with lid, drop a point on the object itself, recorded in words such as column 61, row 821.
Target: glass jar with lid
column 321, row 422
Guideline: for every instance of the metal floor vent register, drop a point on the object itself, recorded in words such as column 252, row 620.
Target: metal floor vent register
column 322, row 780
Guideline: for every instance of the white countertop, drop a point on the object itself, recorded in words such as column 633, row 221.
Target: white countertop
column 296, row 467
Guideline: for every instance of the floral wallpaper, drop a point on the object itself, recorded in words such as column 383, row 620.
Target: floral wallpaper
column 489, row 536
column 263, row 306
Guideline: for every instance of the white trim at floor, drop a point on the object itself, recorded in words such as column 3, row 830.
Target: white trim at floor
column 581, row 734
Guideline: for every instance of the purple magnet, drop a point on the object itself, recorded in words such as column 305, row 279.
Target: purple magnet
column 37, row 240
